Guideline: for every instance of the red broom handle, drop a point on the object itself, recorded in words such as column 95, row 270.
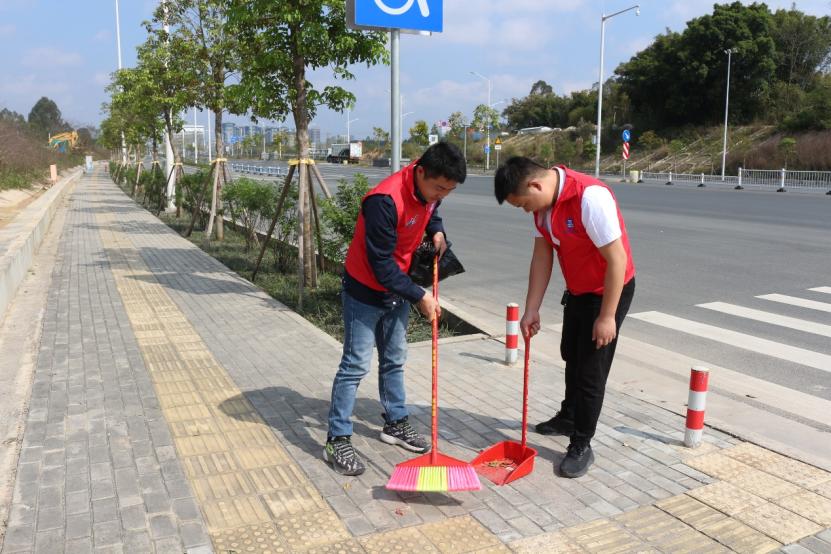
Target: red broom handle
column 434, row 454
column 525, row 391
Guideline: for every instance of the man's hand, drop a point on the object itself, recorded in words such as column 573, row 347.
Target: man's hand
column 530, row 323
column 429, row 306
column 604, row 331
column 439, row 243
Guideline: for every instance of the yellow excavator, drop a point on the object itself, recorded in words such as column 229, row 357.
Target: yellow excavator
column 64, row 142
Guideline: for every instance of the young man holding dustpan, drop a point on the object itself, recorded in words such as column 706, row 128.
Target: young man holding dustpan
column 578, row 217
column 377, row 294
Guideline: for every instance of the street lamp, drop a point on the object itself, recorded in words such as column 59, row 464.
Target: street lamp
column 118, row 46
column 488, row 139
column 729, row 53
column 401, row 124
column 348, row 123
column 603, row 19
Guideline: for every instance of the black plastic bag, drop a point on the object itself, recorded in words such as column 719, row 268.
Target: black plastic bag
column 421, row 266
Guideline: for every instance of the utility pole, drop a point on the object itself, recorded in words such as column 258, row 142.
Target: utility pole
column 729, row 53
column 195, row 135
column 118, row 45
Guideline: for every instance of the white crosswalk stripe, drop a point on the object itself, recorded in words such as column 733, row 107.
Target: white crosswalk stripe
column 796, row 301
column 826, row 290
column 768, row 317
column 739, row 340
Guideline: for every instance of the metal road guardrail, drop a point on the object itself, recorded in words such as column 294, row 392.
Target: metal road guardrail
column 778, row 180
column 250, row 169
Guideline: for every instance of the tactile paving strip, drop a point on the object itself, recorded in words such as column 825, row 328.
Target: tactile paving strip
column 764, row 485
column 460, row 534
column 809, row 505
column 400, row 540
column 547, row 542
column 726, row 498
column 666, row 532
column 778, row 523
column 254, row 497
column 718, row 466
column 604, row 536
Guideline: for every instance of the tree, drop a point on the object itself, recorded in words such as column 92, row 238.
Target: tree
column 457, row 123
column 45, row 118
column 787, row 146
column 419, row 133
column 13, row 117
column 279, row 42
column 803, row 46
column 484, row 117
column 380, row 136
column 541, row 87
column 208, row 48
column 680, row 78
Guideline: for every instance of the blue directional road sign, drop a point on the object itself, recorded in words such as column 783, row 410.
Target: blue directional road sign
column 487, row 149
column 626, row 135
column 415, row 15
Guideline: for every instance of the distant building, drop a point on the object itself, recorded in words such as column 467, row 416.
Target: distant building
column 314, row 136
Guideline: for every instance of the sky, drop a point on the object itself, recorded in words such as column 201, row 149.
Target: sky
column 66, row 50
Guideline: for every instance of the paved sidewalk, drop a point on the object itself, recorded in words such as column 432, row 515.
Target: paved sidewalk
column 176, row 407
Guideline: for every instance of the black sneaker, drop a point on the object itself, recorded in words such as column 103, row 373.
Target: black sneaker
column 557, row 425
column 577, row 461
column 402, row 433
column 341, row 454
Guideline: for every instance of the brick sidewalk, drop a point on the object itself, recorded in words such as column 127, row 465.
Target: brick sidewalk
column 176, row 407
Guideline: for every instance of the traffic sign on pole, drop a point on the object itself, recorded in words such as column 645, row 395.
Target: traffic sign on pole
column 415, row 15
column 627, row 134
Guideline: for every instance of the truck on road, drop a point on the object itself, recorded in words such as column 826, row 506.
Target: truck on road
column 345, row 153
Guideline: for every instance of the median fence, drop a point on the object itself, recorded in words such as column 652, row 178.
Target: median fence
column 779, row 180
column 250, row 169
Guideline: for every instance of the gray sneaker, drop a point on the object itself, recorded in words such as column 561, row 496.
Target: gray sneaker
column 402, row 434
column 341, row 454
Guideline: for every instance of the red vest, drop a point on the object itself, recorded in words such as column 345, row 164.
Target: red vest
column 413, row 217
column 584, row 269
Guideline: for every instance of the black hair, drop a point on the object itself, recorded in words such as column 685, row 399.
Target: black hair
column 444, row 160
column 512, row 175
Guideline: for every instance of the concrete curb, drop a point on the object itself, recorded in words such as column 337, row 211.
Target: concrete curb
column 21, row 239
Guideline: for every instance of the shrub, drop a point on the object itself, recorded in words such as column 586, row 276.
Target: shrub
column 341, row 214
column 251, row 203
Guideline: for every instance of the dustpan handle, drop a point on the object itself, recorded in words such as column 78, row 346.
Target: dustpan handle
column 525, row 391
column 435, row 430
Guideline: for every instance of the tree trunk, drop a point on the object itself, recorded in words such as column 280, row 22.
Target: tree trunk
column 220, row 166
column 306, row 264
column 172, row 180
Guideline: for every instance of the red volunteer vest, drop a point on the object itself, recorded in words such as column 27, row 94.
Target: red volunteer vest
column 413, row 217
column 584, row 269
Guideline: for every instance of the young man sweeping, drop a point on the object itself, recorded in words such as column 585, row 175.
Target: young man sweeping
column 577, row 216
column 377, row 294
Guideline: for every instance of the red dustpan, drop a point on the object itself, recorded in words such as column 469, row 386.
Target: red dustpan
column 507, row 461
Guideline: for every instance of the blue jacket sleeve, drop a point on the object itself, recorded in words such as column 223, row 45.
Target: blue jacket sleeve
column 381, row 222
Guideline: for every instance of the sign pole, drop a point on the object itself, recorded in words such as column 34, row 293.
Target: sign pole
column 395, row 100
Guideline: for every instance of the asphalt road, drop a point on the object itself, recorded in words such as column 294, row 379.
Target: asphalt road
column 691, row 246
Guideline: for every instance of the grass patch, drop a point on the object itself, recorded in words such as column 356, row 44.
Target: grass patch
column 278, row 277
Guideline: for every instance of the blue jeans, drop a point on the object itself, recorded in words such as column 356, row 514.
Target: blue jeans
column 366, row 326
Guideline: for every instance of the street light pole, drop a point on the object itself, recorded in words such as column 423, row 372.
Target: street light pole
column 729, row 53
column 488, row 126
column 195, row 136
column 395, row 101
column 118, row 46
column 603, row 19
column 348, row 123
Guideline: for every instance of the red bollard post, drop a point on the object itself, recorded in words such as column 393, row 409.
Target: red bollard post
column 699, row 378
column 512, row 334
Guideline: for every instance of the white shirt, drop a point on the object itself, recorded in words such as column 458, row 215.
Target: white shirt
column 599, row 214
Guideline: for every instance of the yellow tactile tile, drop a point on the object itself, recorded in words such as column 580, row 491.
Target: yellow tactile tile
column 293, row 501
column 459, row 534
column 809, row 505
column 175, row 387
column 666, row 532
column 232, row 424
column 204, row 444
column 732, row 533
column 209, row 464
column 823, row 488
column 176, row 400
column 224, row 485
column 718, row 465
column 605, row 536
column 187, row 413
column 726, row 498
column 235, row 512
column 547, row 542
column 194, row 427
column 778, row 523
column 764, row 484
column 251, row 539
column 261, row 456
column 311, row 529
column 351, row 546
column 401, row 540
column 276, row 477
column 798, row 473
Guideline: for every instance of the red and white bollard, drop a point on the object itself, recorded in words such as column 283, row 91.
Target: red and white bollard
column 512, row 334
column 699, row 377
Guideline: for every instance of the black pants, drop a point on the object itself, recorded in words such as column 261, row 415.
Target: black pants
column 587, row 367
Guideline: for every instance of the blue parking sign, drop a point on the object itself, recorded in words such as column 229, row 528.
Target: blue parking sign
column 415, row 15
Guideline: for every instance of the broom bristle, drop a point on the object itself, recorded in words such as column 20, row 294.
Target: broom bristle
column 434, row 479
